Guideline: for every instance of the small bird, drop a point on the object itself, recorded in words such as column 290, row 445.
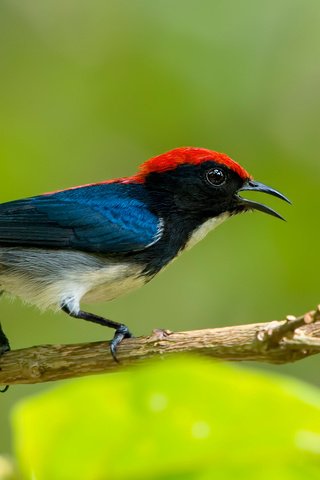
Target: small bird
column 98, row 241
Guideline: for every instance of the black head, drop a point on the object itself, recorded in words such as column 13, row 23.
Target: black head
column 202, row 183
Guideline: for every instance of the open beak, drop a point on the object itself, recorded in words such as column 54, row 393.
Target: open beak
column 251, row 185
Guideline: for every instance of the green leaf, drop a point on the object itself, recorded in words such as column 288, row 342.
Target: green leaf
column 186, row 418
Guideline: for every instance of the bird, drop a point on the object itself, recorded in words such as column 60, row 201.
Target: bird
column 98, row 241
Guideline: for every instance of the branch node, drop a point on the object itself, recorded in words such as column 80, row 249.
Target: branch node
column 160, row 334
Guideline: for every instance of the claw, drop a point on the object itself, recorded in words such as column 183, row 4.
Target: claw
column 4, row 347
column 120, row 333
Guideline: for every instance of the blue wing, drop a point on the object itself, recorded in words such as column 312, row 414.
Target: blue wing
column 104, row 218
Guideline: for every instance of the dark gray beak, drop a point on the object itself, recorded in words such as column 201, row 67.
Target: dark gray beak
column 251, row 185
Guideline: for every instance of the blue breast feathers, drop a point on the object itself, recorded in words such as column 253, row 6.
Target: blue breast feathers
column 104, row 218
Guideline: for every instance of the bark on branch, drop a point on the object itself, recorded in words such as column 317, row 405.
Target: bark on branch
column 275, row 342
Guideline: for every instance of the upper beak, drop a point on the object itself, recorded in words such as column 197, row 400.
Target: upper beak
column 260, row 187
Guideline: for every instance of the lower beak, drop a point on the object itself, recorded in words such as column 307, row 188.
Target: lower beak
column 259, row 187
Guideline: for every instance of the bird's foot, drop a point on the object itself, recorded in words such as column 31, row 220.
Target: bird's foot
column 4, row 347
column 121, row 332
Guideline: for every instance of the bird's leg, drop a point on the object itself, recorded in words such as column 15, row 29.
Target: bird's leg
column 4, row 347
column 121, row 330
column 4, row 342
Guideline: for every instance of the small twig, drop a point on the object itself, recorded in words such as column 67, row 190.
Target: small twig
column 279, row 330
column 282, row 341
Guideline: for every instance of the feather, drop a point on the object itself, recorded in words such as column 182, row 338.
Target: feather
column 101, row 218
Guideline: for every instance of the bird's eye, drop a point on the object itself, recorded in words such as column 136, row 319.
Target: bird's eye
column 216, row 177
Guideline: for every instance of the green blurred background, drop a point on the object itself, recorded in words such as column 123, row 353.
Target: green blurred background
column 91, row 89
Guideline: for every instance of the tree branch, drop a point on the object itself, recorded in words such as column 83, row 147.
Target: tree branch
column 275, row 342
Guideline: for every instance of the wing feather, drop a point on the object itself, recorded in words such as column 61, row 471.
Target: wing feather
column 106, row 218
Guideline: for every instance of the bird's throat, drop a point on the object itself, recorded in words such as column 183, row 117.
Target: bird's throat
column 201, row 231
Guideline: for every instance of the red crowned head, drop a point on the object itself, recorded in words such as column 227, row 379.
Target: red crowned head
column 187, row 155
column 223, row 194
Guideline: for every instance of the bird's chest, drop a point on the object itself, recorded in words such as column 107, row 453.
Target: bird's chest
column 112, row 281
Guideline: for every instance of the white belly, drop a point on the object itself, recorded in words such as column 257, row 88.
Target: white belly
column 48, row 278
column 110, row 283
